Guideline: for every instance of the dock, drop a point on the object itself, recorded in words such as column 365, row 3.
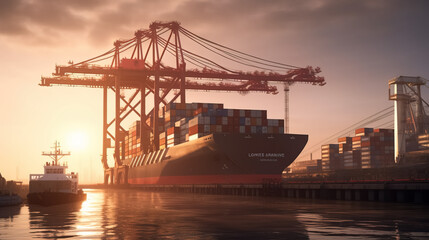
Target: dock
column 390, row 191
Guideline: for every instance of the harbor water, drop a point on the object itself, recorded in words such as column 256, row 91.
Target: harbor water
column 133, row 214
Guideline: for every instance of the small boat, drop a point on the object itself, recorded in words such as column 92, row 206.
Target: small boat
column 55, row 186
column 9, row 199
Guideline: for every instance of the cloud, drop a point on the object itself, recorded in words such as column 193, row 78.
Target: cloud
column 36, row 21
column 52, row 21
column 10, row 24
column 127, row 17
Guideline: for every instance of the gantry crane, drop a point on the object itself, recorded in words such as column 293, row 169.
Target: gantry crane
column 140, row 64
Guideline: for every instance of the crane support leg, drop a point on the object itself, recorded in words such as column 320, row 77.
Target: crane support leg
column 117, row 119
column 105, row 126
column 144, row 139
column 286, row 90
column 182, row 90
column 156, row 114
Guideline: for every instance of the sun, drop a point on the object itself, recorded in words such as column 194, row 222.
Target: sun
column 78, row 140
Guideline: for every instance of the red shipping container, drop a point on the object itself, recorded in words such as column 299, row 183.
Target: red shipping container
column 230, row 120
column 236, row 129
column 253, row 121
column 356, row 139
column 196, row 129
column 275, row 129
column 173, row 130
column 345, row 140
column 264, row 122
column 236, row 121
column 247, row 113
column 236, row 113
column 224, row 128
column 384, row 130
column 247, row 129
column 364, row 130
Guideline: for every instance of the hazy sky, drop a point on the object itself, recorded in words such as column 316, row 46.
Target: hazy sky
column 359, row 46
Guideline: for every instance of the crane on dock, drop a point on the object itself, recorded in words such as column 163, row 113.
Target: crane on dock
column 411, row 120
column 153, row 64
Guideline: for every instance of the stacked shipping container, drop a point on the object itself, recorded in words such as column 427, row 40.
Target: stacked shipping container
column 199, row 119
column 131, row 143
column 377, row 148
column 330, row 157
column 180, row 122
column 349, row 157
column 369, row 148
column 423, row 141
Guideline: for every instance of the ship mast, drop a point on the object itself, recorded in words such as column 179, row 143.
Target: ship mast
column 57, row 154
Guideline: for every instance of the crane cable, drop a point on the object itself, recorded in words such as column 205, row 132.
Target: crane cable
column 236, row 51
column 193, row 56
column 230, row 54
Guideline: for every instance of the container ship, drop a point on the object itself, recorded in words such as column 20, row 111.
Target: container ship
column 203, row 143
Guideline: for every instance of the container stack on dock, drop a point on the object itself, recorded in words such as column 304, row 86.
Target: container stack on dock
column 369, row 148
column 377, row 148
column 349, row 156
column 330, row 157
column 423, row 141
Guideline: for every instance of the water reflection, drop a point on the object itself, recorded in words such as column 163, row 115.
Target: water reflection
column 365, row 220
column 135, row 214
column 53, row 221
column 10, row 211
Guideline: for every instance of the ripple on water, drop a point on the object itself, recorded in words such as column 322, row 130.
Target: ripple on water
column 130, row 214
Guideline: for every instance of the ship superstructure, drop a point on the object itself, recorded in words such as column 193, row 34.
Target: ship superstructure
column 55, row 185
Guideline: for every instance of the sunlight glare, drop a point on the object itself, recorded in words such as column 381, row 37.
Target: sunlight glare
column 78, row 140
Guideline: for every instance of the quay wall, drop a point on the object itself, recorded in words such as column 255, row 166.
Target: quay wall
column 414, row 192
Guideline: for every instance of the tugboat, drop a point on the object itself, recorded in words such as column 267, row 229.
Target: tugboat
column 54, row 186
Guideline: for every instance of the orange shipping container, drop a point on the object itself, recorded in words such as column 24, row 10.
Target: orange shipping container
column 196, row 129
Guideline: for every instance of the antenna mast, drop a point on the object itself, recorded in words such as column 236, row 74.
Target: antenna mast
column 57, row 154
